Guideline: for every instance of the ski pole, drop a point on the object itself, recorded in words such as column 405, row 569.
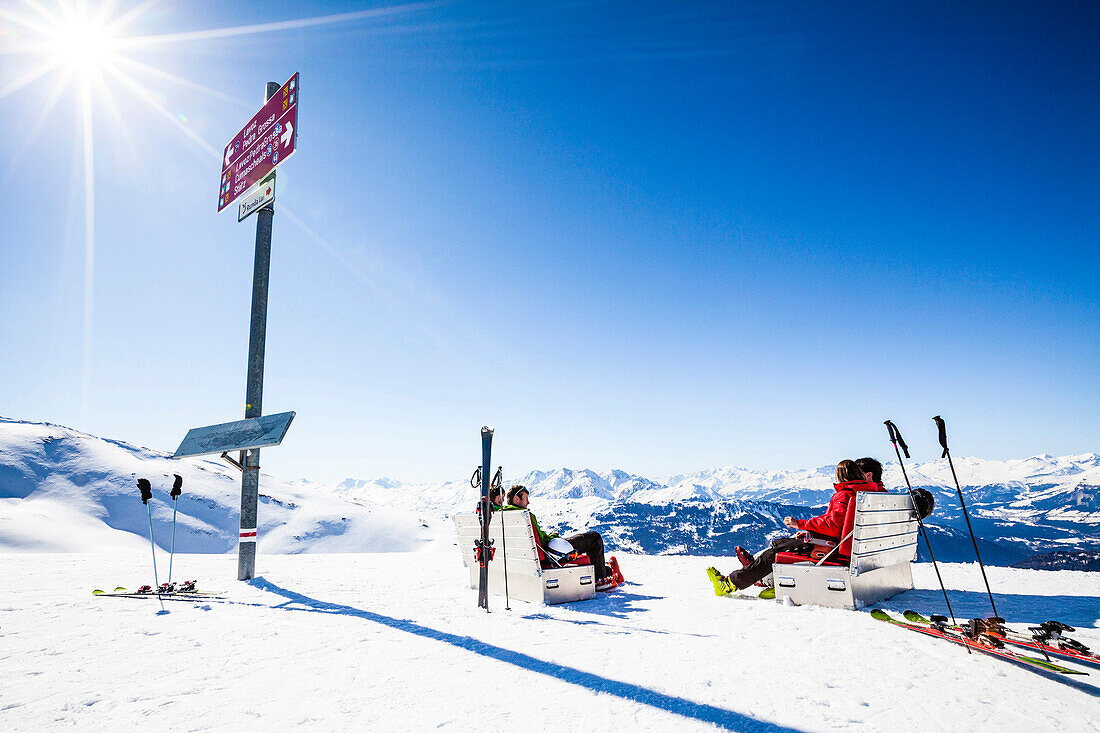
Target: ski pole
column 146, row 495
column 177, row 489
column 498, row 484
column 947, row 454
column 896, row 439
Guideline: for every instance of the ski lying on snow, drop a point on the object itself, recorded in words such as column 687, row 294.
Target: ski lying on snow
column 177, row 596
column 188, row 591
column 983, row 644
column 1020, row 640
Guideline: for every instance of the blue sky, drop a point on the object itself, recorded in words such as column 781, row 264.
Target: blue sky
column 650, row 236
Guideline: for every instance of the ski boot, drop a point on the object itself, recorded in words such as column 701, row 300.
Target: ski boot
column 145, row 589
column 722, row 585
column 768, row 594
column 615, row 572
column 606, row 584
column 746, row 559
column 188, row 586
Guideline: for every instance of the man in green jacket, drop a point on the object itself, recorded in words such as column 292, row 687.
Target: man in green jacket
column 587, row 543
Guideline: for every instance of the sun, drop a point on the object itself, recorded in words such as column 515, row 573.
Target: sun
column 81, row 42
column 87, row 50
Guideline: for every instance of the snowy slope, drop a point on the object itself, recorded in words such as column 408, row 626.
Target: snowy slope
column 395, row 642
column 66, row 491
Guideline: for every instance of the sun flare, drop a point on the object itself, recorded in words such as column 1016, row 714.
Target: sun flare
column 81, row 43
column 88, row 51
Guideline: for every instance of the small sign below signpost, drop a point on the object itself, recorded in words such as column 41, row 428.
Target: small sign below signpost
column 267, row 140
column 259, row 197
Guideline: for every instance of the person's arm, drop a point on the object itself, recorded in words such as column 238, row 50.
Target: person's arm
column 831, row 523
column 542, row 536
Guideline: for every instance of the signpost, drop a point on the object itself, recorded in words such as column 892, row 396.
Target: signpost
column 265, row 142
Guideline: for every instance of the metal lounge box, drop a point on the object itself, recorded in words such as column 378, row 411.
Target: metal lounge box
column 527, row 580
column 884, row 544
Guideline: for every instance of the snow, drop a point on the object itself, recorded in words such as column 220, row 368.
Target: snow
column 361, row 618
column 395, row 642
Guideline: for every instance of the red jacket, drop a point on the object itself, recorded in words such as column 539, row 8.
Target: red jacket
column 831, row 523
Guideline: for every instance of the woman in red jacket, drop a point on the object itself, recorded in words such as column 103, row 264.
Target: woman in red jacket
column 829, row 526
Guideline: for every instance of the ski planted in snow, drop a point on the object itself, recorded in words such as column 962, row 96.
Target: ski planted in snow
column 1046, row 638
column 483, row 548
column 981, row 642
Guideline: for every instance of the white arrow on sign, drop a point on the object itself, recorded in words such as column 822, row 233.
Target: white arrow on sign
column 228, row 152
column 287, row 133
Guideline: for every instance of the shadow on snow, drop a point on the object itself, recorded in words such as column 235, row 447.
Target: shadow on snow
column 720, row 717
column 1079, row 611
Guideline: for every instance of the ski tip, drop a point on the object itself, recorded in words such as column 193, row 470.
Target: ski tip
column 881, row 615
column 119, row 589
column 98, row 592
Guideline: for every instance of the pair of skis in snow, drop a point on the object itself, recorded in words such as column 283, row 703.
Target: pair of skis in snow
column 185, row 591
column 979, row 636
column 483, row 547
column 1046, row 638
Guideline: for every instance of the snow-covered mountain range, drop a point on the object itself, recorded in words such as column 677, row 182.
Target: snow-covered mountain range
column 1018, row 508
column 61, row 489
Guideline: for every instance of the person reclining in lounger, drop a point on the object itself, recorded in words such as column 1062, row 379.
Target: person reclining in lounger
column 586, row 543
column 826, row 528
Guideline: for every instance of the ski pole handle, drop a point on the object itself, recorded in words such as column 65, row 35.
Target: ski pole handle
column 943, row 434
column 895, row 437
column 177, row 487
column 146, row 490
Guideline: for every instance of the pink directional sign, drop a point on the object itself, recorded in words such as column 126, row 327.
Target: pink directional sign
column 266, row 141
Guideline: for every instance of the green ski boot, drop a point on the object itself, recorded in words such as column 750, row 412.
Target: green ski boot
column 720, row 582
column 768, row 594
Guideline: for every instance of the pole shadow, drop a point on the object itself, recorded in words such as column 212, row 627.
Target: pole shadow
column 615, row 630
column 1079, row 611
column 725, row 719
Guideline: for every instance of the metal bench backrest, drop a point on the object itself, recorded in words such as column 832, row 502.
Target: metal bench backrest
column 520, row 542
column 885, row 531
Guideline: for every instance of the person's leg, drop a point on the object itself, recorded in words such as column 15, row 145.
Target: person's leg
column 761, row 565
column 591, row 544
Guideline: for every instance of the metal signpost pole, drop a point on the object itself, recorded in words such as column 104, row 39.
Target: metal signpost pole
column 257, row 339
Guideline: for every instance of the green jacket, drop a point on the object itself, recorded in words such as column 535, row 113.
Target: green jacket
column 542, row 537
